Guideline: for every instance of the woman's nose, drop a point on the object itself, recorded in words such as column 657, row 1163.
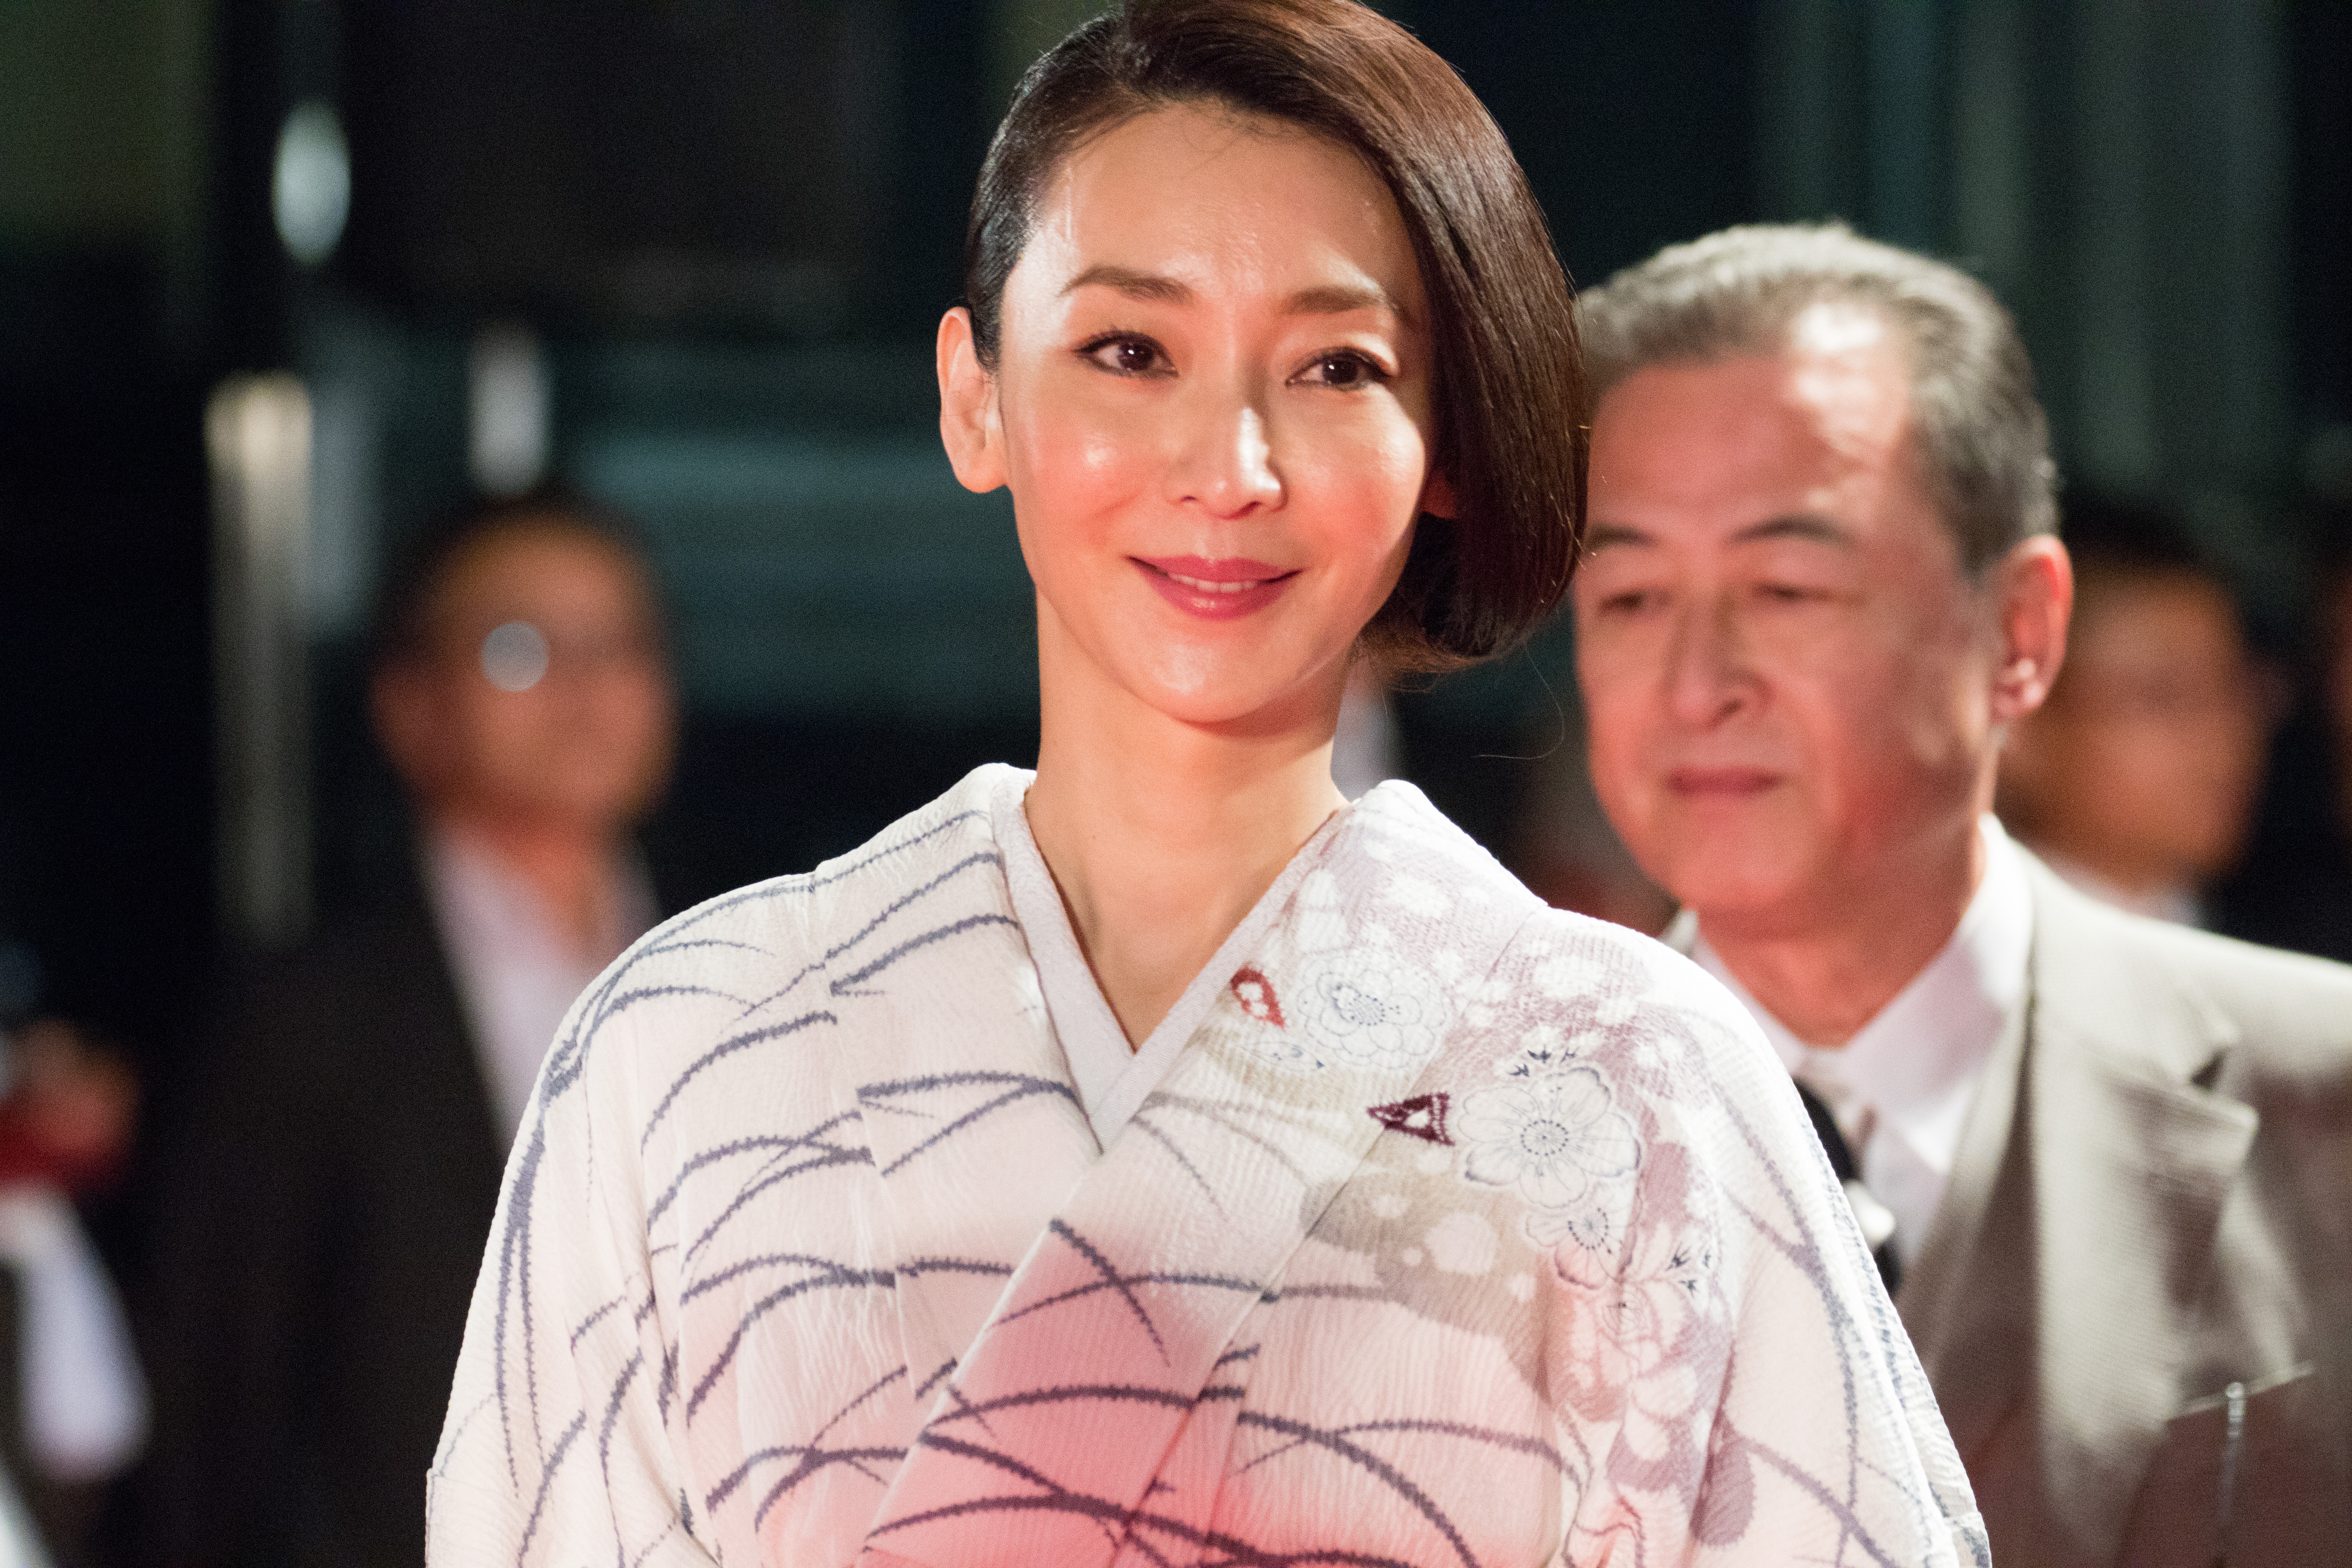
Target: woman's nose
column 1225, row 463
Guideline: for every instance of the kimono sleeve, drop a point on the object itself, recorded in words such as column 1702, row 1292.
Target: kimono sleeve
column 555, row 1449
column 1734, row 1381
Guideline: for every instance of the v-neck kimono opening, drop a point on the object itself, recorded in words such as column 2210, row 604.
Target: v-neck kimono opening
column 1113, row 1079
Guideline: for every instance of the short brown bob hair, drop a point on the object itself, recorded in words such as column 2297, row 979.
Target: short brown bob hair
column 1509, row 384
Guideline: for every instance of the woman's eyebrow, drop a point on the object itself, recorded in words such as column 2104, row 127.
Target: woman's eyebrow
column 1133, row 284
column 1339, row 299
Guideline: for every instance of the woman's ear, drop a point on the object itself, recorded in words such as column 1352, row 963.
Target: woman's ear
column 969, row 425
column 1437, row 495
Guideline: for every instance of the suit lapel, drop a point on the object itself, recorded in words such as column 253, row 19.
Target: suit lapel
column 2131, row 1161
column 436, row 1037
column 1964, row 1304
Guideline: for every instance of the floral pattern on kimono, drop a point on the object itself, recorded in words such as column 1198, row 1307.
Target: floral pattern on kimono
column 1462, row 1233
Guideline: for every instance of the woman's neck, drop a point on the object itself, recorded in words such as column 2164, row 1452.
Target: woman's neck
column 1162, row 835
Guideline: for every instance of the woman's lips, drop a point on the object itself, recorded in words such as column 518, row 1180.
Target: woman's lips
column 1215, row 590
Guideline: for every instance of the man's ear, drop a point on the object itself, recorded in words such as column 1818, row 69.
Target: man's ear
column 2033, row 594
column 1437, row 495
column 969, row 425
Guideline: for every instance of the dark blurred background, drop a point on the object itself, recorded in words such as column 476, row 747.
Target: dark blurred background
column 687, row 256
column 697, row 248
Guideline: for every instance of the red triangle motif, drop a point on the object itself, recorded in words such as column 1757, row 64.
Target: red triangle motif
column 1254, row 991
column 1422, row 1117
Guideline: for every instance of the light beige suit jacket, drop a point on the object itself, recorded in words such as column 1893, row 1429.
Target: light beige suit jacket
column 2151, row 1208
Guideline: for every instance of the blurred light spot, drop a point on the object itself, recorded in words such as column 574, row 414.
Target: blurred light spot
column 311, row 190
column 515, row 656
column 257, row 437
column 507, row 410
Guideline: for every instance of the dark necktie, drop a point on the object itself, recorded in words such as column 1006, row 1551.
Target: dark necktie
column 1843, row 1165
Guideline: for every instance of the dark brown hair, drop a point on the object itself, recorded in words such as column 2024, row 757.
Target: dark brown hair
column 1509, row 387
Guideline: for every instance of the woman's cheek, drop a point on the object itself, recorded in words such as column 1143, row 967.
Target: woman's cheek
column 1084, row 464
column 1370, row 500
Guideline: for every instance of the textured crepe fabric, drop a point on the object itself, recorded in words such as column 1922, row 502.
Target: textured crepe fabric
column 1463, row 1232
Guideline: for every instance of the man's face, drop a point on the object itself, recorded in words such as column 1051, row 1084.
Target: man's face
column 1788, row 676
column 567, row 724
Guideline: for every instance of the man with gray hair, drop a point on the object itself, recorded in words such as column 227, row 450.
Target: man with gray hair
column 2107, row 1163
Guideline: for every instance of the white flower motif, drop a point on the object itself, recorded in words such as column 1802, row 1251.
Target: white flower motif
column 1597, row 1228
column 1371, row 1010
column 1555, row 1140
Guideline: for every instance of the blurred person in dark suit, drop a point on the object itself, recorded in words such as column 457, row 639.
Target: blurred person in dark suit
column 2136, row 780
column 2106, row 1161
column 325, row 1218
column 2294, row 888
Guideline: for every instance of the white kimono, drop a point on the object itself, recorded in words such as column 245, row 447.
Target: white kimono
column 1461, row 1233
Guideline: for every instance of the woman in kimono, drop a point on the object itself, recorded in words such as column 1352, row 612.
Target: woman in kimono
column 1156, row 1160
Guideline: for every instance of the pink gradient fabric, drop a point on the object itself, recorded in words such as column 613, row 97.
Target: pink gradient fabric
column 1465, row 1233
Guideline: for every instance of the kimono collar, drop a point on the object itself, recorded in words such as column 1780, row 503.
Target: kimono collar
column 1112, row 1077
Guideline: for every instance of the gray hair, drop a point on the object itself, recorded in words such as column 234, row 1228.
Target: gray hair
column 1983, row 439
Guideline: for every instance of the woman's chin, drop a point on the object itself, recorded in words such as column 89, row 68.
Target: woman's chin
column 1227, row 681
column 1243, row 704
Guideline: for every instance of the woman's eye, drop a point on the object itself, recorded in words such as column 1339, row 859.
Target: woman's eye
column 1127, row 355
column 1343, row 369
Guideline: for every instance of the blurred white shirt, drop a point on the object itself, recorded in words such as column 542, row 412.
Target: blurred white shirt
column 85, row 1402
column 516, row 976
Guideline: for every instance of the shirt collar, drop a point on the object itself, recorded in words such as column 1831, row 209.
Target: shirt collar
column 485, row 906
column 1913, row 1062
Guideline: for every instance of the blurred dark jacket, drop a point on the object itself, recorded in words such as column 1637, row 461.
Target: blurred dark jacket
column 2134, row 1302
column 321, row 1227
column 2293, row 889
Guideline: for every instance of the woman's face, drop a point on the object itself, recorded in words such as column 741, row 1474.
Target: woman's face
column 1212, row 406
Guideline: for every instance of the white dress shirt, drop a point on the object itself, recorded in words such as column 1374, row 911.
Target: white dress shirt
column 1900, row 1089
column 1113, row 1078
column 517, row 975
